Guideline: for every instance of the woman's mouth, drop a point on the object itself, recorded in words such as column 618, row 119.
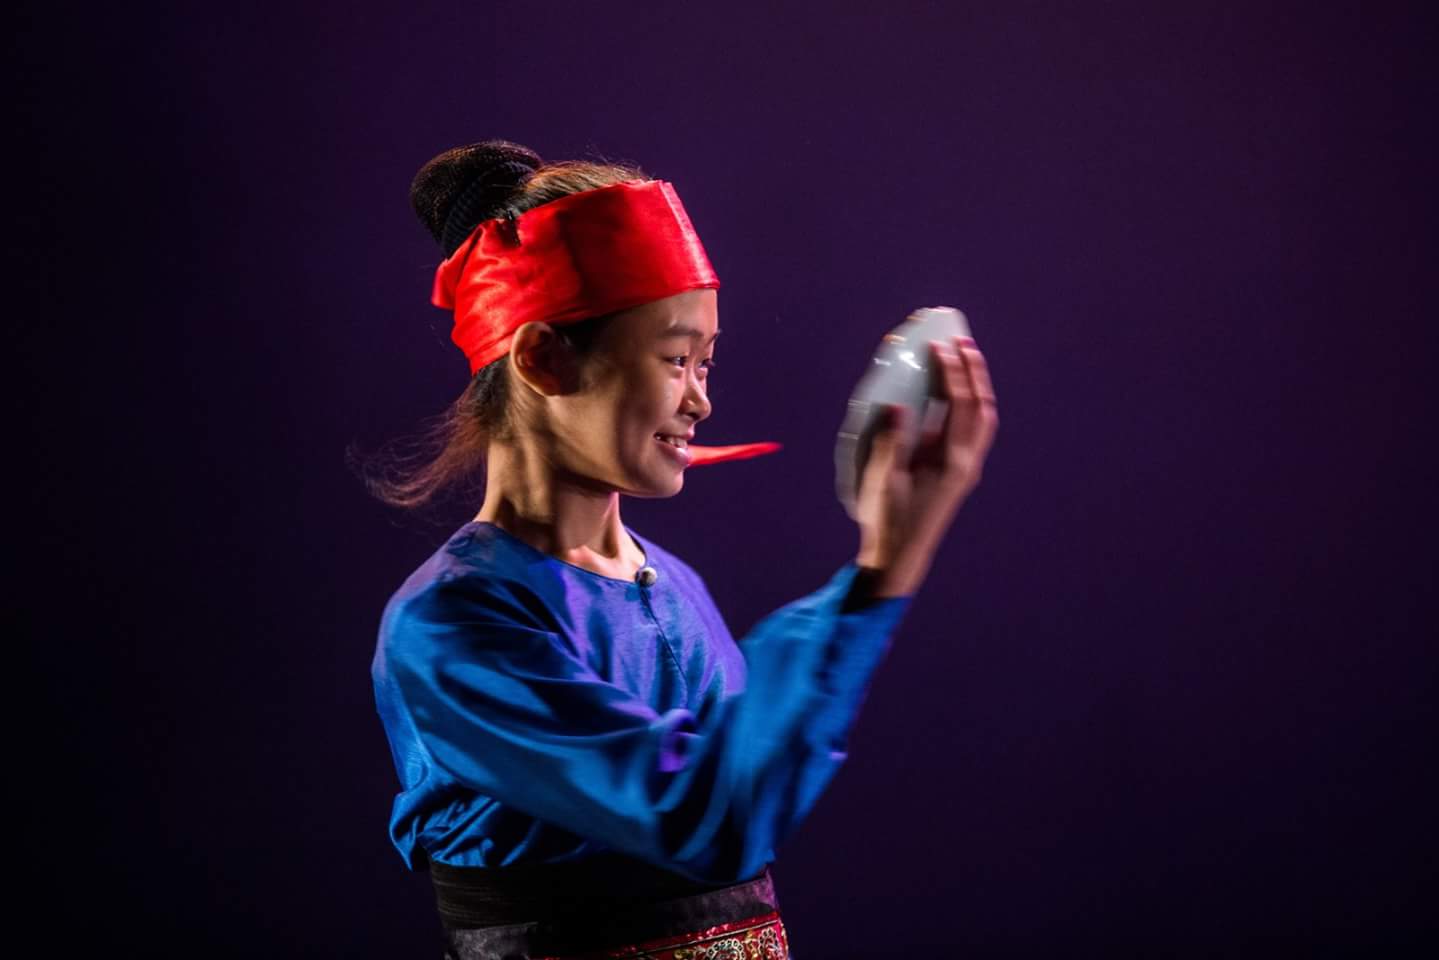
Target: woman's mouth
column 676, row 447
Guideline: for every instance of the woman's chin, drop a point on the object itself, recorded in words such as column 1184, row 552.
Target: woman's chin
column 675, row 485
column 663, row 486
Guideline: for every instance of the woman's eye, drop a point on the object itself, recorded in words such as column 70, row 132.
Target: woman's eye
column 709, row 361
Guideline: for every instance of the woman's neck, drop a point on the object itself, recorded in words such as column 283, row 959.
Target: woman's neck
column 576, row 525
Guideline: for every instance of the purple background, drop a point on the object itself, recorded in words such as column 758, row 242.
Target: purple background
column 1167, row 686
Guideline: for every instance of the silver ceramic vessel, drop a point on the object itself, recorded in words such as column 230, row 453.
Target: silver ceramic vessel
column 902, row 371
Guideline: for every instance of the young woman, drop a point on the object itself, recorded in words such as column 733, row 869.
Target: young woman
column 590, row 765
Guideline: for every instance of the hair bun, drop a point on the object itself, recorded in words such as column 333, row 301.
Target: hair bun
column 460, row 188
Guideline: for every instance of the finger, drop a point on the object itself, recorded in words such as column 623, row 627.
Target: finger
column 985, row 419
column 951, row 368
column 957, row 387
column 887, row 449
column 960, row 420
column 896, row 431
column 977, row 371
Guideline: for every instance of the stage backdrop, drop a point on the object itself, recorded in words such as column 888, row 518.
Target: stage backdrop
column 1167, row 686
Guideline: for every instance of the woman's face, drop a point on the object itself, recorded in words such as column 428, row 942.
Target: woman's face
column 646, row 377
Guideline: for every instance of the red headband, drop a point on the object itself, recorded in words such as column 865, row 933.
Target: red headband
column 580, row 256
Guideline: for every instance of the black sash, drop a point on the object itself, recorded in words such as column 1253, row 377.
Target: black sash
column 582, row 891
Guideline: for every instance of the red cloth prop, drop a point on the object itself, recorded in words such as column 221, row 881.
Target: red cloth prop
column 580, row 256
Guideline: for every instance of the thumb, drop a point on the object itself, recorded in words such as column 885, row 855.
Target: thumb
column 891, row 443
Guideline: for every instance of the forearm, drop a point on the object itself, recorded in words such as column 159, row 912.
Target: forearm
column 802, row 700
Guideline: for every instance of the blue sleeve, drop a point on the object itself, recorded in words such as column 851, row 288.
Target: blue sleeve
column 508, row 709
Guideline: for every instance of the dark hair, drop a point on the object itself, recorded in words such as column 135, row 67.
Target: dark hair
column 452, row 194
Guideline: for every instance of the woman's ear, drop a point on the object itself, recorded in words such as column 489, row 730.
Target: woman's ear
column 544, row 360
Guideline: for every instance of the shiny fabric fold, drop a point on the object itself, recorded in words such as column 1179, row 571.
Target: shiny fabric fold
column 539, row 712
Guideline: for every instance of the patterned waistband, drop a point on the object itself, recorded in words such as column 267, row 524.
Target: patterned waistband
column 618, row 920
column 757, row 938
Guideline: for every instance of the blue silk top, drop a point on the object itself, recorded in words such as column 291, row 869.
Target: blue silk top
column 538, row 712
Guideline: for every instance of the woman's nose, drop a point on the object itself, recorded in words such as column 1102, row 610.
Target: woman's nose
column 697, row 401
